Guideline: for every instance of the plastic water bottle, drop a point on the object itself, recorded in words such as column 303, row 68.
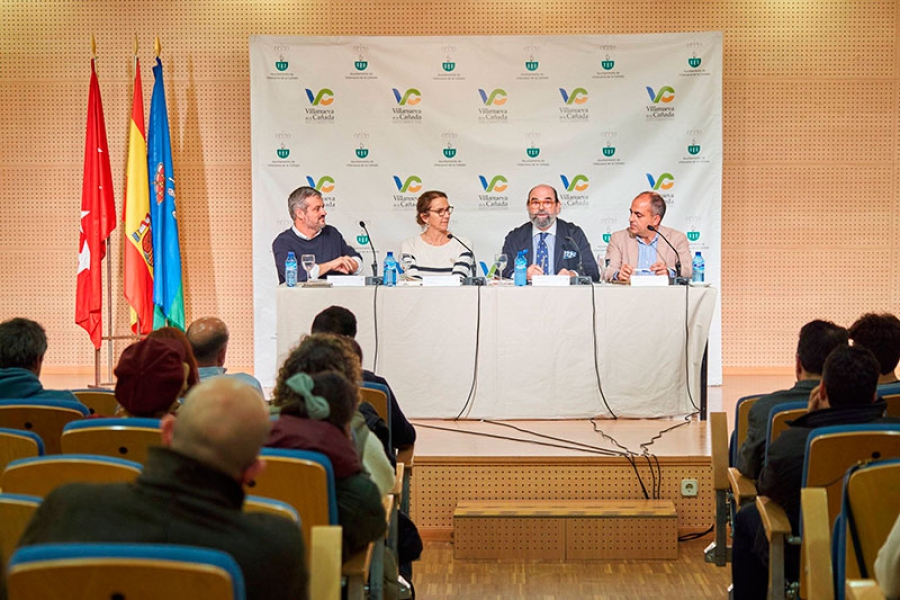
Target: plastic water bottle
column 699, row 268
column 390, row 270
column 290, row 270
column 520, row 276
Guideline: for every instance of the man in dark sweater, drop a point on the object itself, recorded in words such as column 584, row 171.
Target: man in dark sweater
column 310, row 235
column 846, row 396
column 817, row 340
column 191, row 493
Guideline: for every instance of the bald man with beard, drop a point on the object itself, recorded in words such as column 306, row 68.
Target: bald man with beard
column 191, row 493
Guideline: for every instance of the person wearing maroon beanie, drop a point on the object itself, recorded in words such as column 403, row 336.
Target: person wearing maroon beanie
column 150, row 377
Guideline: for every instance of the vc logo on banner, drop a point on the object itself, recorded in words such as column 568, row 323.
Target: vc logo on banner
column 578, row 96
column 325, row 184
column 665, row 94
column 498, row 184
column 412, row 184
column 323, row 97
column 497, row 97
column 410, row 97
column 579, row 183
column 663, row 182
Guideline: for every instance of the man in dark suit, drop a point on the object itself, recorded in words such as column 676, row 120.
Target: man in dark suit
column 554, row 246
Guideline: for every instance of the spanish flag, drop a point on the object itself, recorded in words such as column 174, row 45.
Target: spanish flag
column 136, row 216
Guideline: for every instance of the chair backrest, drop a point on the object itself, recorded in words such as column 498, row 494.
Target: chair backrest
column 378, row 399
column 718, row 426
column 99, row 401
column 132, row 571
column 871, row 503
column 303, row 479
column 44, row 417
column 18, row 443
column 120, row 438
column 271, row 506
column 830, row 451
column 741, row 410
column 893, row 405
column 38, row 476
column 779, row 417
column 15, row 513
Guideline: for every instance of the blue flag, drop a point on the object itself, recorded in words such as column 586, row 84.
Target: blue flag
column 168, row 294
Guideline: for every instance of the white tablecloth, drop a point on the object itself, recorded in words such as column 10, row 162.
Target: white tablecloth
column 535, row 347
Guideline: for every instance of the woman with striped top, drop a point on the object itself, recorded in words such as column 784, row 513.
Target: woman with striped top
column 434, row 252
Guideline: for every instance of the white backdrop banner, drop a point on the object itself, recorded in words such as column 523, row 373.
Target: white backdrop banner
column 372, row 122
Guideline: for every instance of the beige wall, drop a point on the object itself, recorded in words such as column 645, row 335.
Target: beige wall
column 811, row 218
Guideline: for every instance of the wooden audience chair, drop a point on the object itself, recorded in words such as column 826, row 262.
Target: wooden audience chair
column 743, row 489
column 305, row 480
column 15, row 513
column 18, row 443
column 40, row 475
column 893, row 405
column 271, row 506
column 44, row 417
column 779, row 417
column 129, row 571
column 128, row 438
column 378, row 398
column 871, row 503
column 99, row 401
column 830, row 451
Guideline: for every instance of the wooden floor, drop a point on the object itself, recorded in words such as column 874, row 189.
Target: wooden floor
column 438, row 575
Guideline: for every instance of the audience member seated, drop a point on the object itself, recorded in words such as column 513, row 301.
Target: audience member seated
column 173, row 333
column 325, row 352
column 150, row 378
column 817, row 340
column 191, row 492
column 341, row 321
column 887, row 565
column 315, row 414
column 208, row 337
column 23, row 344
column 845, row 396
column 881, row 335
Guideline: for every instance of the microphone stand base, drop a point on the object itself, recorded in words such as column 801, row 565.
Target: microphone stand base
column 679, row 281
column 474, row 281
column 373, row 280
column 581, row 280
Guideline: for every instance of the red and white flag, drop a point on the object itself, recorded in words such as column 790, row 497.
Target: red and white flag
column 98, row 217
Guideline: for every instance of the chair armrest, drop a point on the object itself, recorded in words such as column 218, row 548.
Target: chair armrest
column 325, row 562
column 816, row 565
column 774, row 519
column 398, row 481
column 356, row 571
column 742, row 487
column 863, row 589
column 405, row 456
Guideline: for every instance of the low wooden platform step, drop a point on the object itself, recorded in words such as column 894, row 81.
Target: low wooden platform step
column 562, row 530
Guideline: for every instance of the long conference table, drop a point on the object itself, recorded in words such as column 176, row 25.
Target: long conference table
column 523, row 353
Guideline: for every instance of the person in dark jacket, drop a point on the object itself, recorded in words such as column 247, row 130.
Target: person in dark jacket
column 817, row 339
column 23, row 344
column 191, row 492
column 846, row 396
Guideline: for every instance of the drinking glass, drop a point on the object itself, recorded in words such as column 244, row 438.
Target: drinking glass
column 406, row 261
column 307, row 261
column 501, row 261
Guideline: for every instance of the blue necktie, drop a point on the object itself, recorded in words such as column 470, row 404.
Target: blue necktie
column 543, row 254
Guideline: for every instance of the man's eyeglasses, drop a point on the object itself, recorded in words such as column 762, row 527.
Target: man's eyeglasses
column 541, row 203
column 442, row 212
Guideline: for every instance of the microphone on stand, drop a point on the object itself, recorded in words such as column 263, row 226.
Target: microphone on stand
column 678, row 278
column 374, row 280
column 581, row 278
column 468, row 280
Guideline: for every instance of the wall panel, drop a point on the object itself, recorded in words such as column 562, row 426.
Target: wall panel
column 811, row 214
